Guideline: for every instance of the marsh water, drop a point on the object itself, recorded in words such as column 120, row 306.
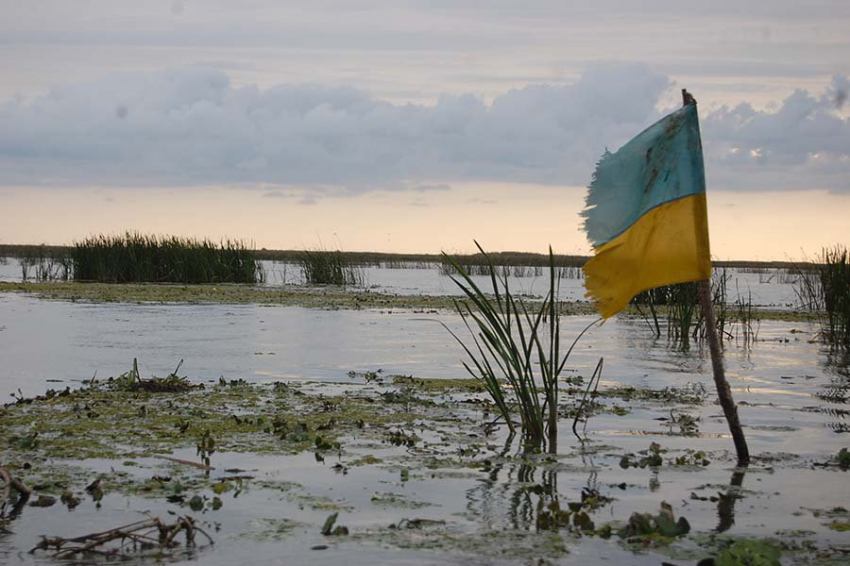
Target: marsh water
column 774, row 288
column 792, row 393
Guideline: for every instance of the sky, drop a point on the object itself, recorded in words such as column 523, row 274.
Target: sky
column 413, row 125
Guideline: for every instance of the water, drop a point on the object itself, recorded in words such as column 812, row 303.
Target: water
column 46, row 344
column 791, row 390
column 772, row 288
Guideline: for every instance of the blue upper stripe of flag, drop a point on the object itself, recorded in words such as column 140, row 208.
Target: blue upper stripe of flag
column 660, row 165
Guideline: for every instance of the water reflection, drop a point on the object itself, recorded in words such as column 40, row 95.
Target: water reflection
column 836, row 364
column 15, row 506
column 520, row 492
column 726, row 501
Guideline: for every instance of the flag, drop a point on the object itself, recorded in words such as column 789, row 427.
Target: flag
column 646, row 214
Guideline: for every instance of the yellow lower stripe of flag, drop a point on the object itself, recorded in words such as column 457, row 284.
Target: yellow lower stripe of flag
column 667, row 245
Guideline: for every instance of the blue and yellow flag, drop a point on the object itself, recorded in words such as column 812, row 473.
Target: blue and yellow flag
column 646, row 214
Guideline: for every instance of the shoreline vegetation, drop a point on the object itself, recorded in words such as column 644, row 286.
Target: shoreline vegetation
column 365, row 259
column 357, row 459
column 319, row 297
column 201, row 271
column 134, row 257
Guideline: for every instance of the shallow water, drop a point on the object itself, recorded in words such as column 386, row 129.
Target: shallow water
column 770, row 288
column 792, row 395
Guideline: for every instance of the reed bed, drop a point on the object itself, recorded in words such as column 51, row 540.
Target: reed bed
column 835, row 282
column 394, row 264
column 329, row 267
column 825, row 288
column 134, row 257
column 472, row 266
column 677, row 306
column 43, row 263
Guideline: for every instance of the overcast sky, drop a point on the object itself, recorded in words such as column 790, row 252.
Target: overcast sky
column 413, row 125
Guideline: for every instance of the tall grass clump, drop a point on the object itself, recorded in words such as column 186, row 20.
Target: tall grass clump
column 134, row 257
column 515, row 351
column 329, row 267
column 44, row 263
column 746, row 318
column 825, row 288
column 678, row 306
column 835, row 282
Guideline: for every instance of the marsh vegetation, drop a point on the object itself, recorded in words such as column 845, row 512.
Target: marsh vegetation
column 678, row 307
column 824, row 288
column 329, row 267
column 134, row 257
column 515, row 351
column 355, row 409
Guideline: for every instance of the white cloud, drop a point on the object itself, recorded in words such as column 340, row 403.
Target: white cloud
column 191, row 126
column 804, row 144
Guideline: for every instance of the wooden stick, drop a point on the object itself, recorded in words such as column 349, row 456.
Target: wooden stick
column 724, row 393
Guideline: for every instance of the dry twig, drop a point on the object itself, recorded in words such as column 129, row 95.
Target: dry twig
column 147, row 534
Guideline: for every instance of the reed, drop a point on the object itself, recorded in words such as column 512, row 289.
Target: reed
column 746, row 318
column 329, row 267
column 515, row 351
column 680, row 303
column 682, row 313
column 834, row 280
column 475, row 265
column 134, row 257
column 44, row 263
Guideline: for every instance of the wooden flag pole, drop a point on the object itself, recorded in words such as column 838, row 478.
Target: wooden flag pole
column 724, row 393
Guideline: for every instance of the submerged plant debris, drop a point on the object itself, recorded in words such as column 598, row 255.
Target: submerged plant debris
column 392, row 463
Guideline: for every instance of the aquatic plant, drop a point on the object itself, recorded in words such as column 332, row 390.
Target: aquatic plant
column 513, row 264
column 646, row 527
column 681, row 304
column 825, row 288
column 132, row 381
column 746, row 318
column 834, row 272
column 746, row 551
column 513, row 351
column 44, row 263
column 135, row 257
column 685, row 320
column 329, row 267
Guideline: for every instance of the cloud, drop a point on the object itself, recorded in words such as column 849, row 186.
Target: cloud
column 805, row 143
column 191, row 126
column 431, row 187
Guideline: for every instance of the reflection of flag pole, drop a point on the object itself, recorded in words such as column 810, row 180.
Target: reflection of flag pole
column 724, row 393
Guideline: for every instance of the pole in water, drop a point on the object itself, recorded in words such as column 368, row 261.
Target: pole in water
column 724, row 393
